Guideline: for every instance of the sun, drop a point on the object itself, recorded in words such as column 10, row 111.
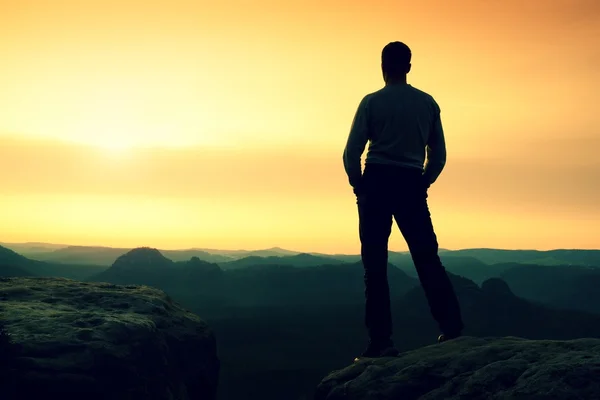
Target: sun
column 114, row 146
column 111, row 134
column 109, row 142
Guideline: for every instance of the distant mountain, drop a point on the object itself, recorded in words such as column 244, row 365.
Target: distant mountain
column 184, row 255
column 13, row 264
column 147, row 266
column 91, row 255
column 466, row 266
column 549, row 257
column 237, row 254
column 472, row 268
column 284, row 285
column 289, row 339
column 32, row 247
column 10, row 257
column 347, row 258
column 194, row 272
column 7, row 270
column 98, row 255
column 142, row 266
column 102, row 255
column 584, row 295
column 493, row 309
column 298, row 260
column 213, row 289
column 561, row 286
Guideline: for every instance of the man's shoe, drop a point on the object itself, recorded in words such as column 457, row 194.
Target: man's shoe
column 444, row 338
column 379, row 349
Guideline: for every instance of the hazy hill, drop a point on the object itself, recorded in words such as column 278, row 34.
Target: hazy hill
column 216, row 290
column 298, row 260
column 32, row 247
column 549, row 257
column 9, row 257
column 493, row 309
column 82, row 255
column 561, row 286
column 283, row 318
column 99, row 255
column 185, row 255
column 13, row 264
column 585, row 295
column 236, row 254
column 107, row 255
column 284, row 342
column 7, row 270
column 466, row 266
column 472, row 268
column 486, row 256
column 469, row 267
column 142, row 266
column 284, row 285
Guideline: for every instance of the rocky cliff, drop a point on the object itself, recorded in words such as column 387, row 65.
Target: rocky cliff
column 77, row 340
column 474, row 369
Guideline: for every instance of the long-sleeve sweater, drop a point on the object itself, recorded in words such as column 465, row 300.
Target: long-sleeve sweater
column 403, row 127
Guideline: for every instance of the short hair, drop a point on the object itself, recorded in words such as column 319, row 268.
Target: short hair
column 395, row 58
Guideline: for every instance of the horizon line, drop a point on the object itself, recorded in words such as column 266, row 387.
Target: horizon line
column 273, row 248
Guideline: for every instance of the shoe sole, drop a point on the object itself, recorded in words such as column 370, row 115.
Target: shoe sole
column 446, row 339
column 386, row 353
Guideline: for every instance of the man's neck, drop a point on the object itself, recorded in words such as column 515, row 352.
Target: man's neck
column 396, row 81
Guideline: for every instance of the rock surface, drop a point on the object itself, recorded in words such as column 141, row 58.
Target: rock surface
column 473, row 369
column 79, row 340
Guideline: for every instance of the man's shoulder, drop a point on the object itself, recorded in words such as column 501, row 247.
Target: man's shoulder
column 375, row 94
column 426, row 97
column 373, row 98
column 385, row 94
column 369, row 96
column 385, row 91
column 422, row 93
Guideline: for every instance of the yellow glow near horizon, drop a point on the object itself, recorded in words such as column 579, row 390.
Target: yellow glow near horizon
column 228, row 119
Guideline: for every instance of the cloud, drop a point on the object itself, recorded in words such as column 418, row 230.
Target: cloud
column 547, row 176
column 54, row 167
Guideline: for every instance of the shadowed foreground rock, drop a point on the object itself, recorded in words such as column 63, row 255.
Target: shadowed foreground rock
column 79, row 340
column 473, row 369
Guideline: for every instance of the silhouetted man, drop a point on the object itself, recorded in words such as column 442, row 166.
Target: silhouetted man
column 403, row 127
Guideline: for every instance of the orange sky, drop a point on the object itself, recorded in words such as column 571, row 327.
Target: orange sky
column 180, row 124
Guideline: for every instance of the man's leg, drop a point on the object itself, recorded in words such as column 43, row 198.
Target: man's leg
column 414, row 220
column 375, row 224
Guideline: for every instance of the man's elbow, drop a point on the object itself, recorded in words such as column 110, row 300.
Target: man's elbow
column 442, row 162
column 440, row 166
column 346, row 159
column 438, row 160
column 441, row 156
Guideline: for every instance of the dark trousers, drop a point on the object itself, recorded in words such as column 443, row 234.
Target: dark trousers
column 401, row 193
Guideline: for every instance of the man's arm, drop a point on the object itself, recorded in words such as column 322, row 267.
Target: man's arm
column 436, row 149
column 355, row 146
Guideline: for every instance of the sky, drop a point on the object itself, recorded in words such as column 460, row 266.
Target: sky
column 221, row 124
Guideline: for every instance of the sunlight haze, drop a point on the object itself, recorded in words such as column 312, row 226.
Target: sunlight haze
column 180, row 124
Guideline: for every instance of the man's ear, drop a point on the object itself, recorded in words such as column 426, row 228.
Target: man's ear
column 408, row 69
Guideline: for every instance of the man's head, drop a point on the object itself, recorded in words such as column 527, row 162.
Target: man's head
column 395, row 61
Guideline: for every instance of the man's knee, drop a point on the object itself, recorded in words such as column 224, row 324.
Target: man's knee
column 374, row 251
column 426, row 256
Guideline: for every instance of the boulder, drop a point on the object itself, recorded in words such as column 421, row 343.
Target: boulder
column 474, row 369
column 81, row 340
